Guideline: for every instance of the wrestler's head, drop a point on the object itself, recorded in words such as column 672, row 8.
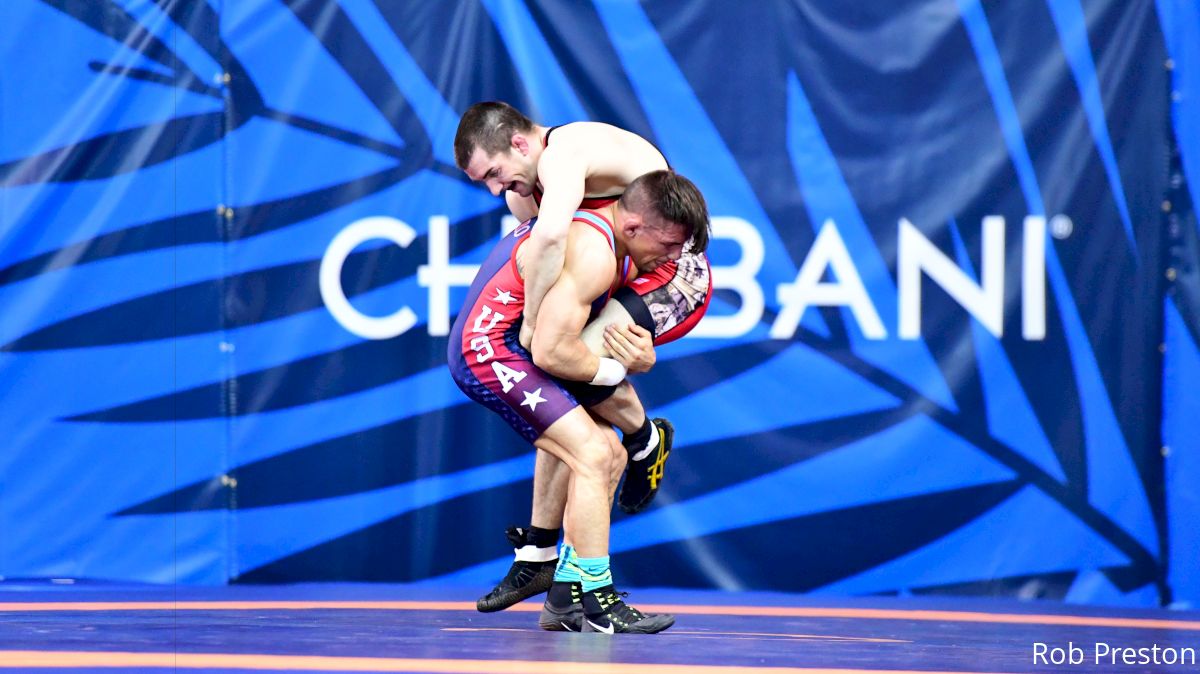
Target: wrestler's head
column 662, row 213
column 495, row 145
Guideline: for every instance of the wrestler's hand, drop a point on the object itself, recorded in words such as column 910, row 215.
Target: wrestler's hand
column 526, row 336
column 632, row 346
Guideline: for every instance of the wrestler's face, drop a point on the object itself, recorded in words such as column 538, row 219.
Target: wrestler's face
column 651, row 247
column 513, row 169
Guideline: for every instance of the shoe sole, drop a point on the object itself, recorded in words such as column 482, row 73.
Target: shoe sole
column 668, row 430
column 558, row 620
column 498, row 601
column 652, row 624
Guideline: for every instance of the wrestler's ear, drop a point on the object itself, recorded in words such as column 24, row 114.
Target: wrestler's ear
column 521, row 144
column 632, row 224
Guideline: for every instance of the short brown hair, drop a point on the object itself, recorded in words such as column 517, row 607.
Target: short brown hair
column 489, row 126
column 669, row 197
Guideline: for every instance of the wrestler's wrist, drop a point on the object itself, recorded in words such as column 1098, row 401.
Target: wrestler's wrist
column 609, row 373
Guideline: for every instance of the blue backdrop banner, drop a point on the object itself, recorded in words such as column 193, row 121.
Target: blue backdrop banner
column 952, row 242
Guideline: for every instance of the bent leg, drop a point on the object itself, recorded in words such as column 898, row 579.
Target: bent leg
column 617, row 455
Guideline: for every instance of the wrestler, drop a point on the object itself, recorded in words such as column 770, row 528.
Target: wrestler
column 589, row 165
column 651, row 223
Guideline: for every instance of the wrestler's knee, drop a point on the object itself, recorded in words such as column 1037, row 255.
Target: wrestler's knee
column 593, row 457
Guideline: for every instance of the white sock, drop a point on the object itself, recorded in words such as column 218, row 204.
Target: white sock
column 530, row 553
column 650, row 445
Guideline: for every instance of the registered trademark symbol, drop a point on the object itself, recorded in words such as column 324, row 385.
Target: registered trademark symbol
column 1061, row 226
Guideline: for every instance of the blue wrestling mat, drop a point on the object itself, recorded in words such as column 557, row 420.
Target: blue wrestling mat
column 391, row 628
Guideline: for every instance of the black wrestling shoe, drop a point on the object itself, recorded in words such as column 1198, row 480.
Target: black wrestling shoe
column 644, row 474
column 523, row 580
column 563, row 610
column 605, row 611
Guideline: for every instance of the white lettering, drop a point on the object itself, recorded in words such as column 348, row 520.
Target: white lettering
column 1076, row 654
column 828, row 251
column 1033, row 279
column 739, row 278
column 507, row 376
column 439, row 275
column 1043, row 654
column 916, row 255
column 1154, row 654
column 484, row 312
column 329, row 278
column 1039, row 651
column 482, row 346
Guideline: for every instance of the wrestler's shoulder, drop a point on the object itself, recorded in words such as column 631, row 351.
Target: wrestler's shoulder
column 593, row 135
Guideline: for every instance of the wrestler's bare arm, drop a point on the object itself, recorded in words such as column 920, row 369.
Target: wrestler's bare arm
column 562, row 178
column 612, row 333
column 585, row 158
column 589, row 269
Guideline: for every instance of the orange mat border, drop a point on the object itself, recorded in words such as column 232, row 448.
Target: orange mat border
column 255, row 662
column 678, row 609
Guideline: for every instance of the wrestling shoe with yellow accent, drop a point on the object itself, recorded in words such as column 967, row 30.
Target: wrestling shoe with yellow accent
column 605, row 611
column 563, row 610
column 644, row 474
column 523, row 580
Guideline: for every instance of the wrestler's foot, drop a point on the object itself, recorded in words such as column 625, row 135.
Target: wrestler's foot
column 644, row 474
column 523, row 580
column 604, row 611
column 563, row 610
